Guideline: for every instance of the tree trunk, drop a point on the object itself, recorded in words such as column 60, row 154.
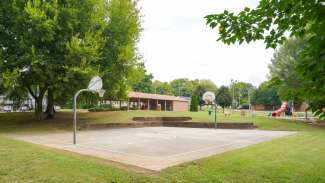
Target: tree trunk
column 38, row 100
column 38, row 107
column 50, row 105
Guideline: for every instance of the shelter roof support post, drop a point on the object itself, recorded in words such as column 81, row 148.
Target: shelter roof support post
column 148, row 105
column 165, row 105
column 139, row 107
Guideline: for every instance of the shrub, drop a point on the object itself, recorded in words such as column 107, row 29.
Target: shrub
column 194, row 103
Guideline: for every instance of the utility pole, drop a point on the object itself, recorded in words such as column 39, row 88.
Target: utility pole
column 233, row 93
column 238, row 98
column 249, row 99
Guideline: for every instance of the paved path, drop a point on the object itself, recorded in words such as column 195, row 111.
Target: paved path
column 153, row 148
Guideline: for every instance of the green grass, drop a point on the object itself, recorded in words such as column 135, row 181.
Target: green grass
column 296, row 158
column 13, row 122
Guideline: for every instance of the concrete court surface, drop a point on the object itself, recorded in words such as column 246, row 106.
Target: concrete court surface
column 153, row 148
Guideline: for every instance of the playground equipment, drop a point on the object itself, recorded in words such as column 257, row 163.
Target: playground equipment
column 227, row 113
column 283, row 108
column 242, row 113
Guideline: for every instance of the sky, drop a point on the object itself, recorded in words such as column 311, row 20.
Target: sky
column 177, row 43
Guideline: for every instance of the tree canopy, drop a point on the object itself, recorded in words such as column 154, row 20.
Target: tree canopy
column 44, row 43
column 162, row 88
column 223, row 97
column 182, row 87
column 120, row 66
column 144, row 85
column 284, row 70
column 241, row 90
column 266, row 94
column 53, row 47
column 270, row 21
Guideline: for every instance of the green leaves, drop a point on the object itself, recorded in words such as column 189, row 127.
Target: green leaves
column 270, row 21
column 249, row 25
column 58, row 41
column 194, row 103
column 223, row 97
column 120, row 59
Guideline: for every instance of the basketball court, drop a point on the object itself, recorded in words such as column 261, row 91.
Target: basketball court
column 153, row 148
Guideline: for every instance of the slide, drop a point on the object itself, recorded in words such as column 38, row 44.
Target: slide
column 283, row 108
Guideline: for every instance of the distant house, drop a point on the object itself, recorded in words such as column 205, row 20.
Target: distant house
column 29, row 102
column 148, row 101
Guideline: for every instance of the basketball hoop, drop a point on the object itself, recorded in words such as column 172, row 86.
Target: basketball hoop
column 101, row 93
column 209, row 97
column 95, row 84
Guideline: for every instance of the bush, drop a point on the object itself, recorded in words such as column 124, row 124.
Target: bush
column 194, row 103
column 102, row 108
column 106, row 106
column 86, row 106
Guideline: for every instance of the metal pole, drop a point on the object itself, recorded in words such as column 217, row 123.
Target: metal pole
column 75, row 115
column 233, row 94
column 249, row 100
column 74, row 118
column 215, row 116
column 238, row 98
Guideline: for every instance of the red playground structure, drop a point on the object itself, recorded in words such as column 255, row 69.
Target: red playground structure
column 283, row 108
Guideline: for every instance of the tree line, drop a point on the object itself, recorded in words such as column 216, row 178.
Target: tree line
column 235, row 94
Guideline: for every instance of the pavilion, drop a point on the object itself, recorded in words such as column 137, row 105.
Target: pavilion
column 149, row 101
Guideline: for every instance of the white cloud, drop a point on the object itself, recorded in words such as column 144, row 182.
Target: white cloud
column 176, row 43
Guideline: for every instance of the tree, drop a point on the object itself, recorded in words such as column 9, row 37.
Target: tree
column 194, row 103
column 120, row 62
column 284, row 70
column 266, row 94
column 162, row 88
column 223, row 97
column 182, row 87
column 240, row 90
column 44, row 43
column 270, row 21
column 144, row 85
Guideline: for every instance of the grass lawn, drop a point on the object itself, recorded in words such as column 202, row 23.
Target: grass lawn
column 296, row 158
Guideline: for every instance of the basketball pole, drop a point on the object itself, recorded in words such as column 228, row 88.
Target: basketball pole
column 95, row 86
column 215, row 116
column 75, row 114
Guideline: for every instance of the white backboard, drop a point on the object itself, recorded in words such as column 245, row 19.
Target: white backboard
column 95, row 83
column 209, row 97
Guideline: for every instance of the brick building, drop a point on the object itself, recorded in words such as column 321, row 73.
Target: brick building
column 148, row 101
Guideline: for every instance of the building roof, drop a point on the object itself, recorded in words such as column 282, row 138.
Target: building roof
column 155, row 96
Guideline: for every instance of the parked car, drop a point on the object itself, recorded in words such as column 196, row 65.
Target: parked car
column 244, row 106
column 7, row 108
column 57, row 108
column 24, row 108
